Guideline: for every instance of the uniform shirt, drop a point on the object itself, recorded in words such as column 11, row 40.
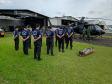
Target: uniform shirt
column 29, row 32
column 25, row 33
column 65, row 29
column 36, row 33
column 16, row 33
column 60, row 32
column 69, row 31
column 41, row 31
column 56, row 31
column 49, row 33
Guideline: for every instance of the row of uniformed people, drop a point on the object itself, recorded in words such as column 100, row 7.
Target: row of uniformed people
column 26, row 38
column 64, row 35
column 60, row 34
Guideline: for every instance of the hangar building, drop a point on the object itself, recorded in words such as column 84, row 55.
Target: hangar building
column 9, row 18
column 65, row 20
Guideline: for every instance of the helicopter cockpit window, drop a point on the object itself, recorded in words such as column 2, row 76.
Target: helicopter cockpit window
column 97, row 27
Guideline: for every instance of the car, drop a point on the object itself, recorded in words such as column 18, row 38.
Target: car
column 2, row 33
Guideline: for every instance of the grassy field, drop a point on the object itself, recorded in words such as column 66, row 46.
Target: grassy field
column 63, row 68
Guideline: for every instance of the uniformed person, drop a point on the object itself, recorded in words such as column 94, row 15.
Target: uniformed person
column 66, row 37
column 25, row 36
column 69, row 37
column 16, row 38
column 60, row 36
column 50, row 40
column 29, row 30
column 56, row 38
column 84, row 33
column 37, row 43
column 88, row 33
column 41, row 31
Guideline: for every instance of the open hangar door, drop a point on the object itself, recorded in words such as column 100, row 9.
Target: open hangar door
column 33, row 21
column 67, row 22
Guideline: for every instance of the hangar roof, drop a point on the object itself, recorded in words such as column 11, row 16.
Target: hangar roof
column 21, row 13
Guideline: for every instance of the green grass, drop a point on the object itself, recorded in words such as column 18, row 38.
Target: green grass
column 63, row 68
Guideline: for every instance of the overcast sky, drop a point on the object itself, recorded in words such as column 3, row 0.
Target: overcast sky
column 76, row 8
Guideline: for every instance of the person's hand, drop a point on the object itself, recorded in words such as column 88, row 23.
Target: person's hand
column 69, row 36
column 62, row 36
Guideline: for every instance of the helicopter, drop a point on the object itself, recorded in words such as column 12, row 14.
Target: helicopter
column 79, row 25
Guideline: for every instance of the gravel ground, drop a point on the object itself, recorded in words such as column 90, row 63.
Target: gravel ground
column 98, row 41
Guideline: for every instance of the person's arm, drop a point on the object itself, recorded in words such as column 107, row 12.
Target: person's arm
column 37, row 38
column 71, row 34
column 53, row 34
column 62, row 35
column 46, row 35
column 58, row 36
column 40, row 36
column 26, row 38
column 14, row 36
column 22, row 38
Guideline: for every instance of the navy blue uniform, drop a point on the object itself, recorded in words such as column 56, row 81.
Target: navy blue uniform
column 60, row 35
column 29, row 38
column 16, row 39
column 37, row 44
column 56, row 38
column 69, row 37
column 65, row 35
column 41, row 35
column 50, row 41
column 25, row 34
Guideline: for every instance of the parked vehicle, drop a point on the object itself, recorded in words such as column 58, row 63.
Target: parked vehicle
column 2, row 33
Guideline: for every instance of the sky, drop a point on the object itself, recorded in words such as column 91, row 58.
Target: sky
column 75, row 8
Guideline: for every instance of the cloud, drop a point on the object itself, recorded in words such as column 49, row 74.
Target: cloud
column 102, row 9
column 51, row 8
column 5, row 1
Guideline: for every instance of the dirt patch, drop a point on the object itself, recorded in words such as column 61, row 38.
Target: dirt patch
column 97, row 41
